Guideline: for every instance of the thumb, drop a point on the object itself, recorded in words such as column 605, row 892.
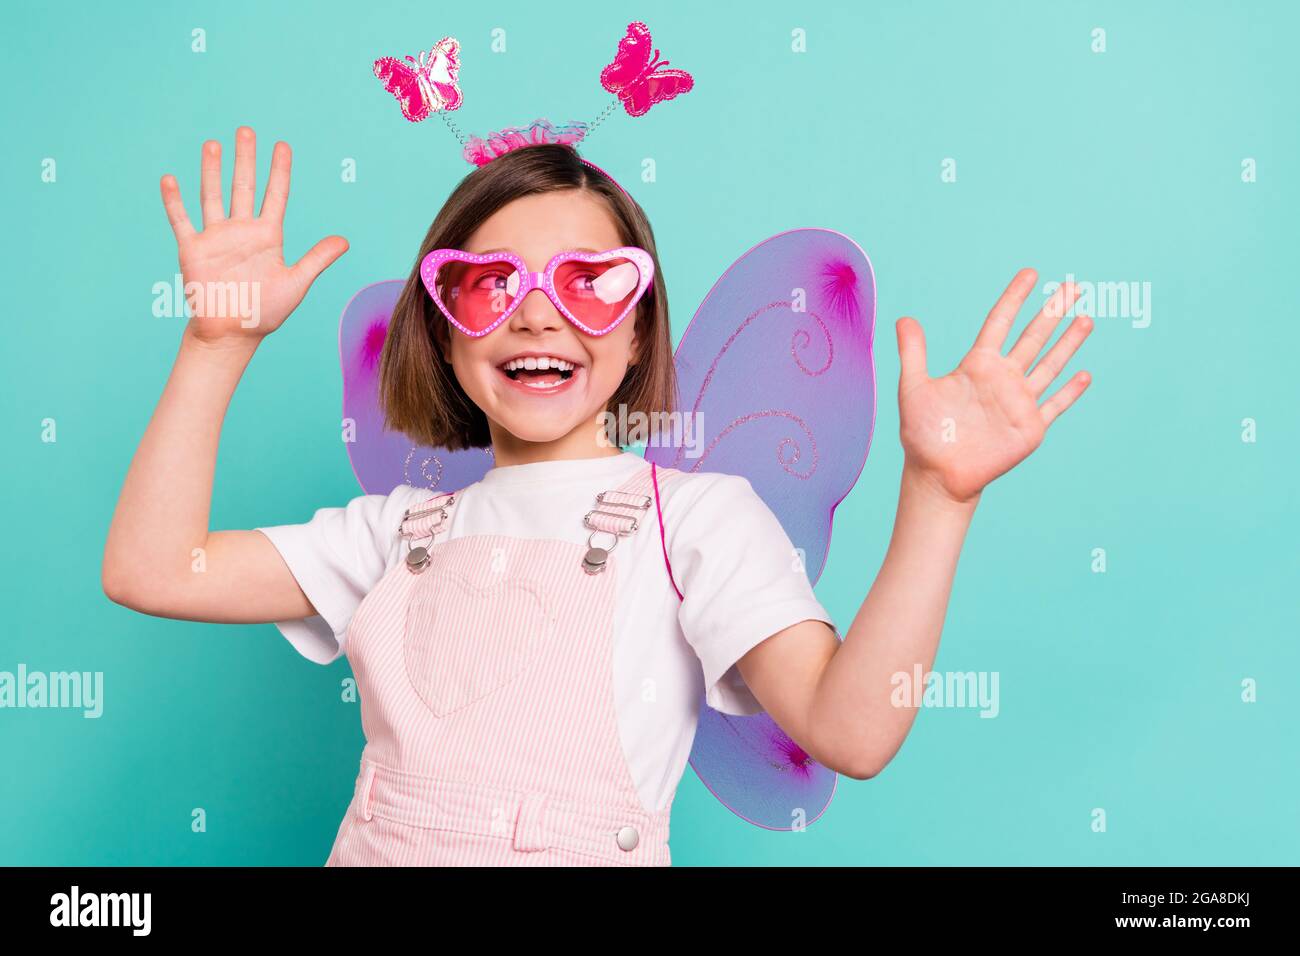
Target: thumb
column 911, row 353
column 319, row 258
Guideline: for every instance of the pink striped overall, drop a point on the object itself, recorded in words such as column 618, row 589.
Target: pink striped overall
column 486, row 684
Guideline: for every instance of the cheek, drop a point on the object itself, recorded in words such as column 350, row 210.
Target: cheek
column 468, row 361
column 614, row 352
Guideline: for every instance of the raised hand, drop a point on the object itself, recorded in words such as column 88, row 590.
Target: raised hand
column 983, row 418
column 236, row 280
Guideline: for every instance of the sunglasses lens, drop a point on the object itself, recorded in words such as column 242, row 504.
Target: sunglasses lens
column 598, row 293
column 476, row 293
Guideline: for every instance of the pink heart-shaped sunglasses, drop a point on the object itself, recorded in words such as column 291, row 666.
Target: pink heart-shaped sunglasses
column 595, row 291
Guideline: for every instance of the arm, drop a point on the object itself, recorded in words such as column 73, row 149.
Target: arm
column 150, row 559
column 959, row 432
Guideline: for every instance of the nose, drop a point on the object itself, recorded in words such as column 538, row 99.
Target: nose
column 536, row 312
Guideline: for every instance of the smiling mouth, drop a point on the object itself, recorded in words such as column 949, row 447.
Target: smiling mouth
column 551, row 376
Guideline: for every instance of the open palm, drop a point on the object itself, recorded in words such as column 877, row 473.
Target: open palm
column 237, row 261
column 983, row 418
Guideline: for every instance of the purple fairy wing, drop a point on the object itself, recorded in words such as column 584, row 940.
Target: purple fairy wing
column 383, row 459
column 776, row 370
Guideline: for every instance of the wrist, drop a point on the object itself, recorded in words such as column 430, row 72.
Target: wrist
column 921, row 484
column 235, row 346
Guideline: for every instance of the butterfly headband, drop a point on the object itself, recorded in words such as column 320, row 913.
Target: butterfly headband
column 430, row 84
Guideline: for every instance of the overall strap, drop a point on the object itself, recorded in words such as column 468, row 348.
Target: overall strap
column 429, row 517
column 621, row 510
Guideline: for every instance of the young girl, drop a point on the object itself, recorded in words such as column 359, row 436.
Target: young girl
column 523, row 702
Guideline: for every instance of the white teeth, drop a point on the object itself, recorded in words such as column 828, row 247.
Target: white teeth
column 542, row 362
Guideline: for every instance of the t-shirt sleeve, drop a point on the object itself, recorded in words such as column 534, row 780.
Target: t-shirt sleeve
column 741, row 581
column 337, row 558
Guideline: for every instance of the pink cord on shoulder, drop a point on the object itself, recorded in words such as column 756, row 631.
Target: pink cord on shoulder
column 654, row 476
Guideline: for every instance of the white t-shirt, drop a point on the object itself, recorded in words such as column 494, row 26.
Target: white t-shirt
column 731, row 558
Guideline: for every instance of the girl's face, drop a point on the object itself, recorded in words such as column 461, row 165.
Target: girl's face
column 565, row 416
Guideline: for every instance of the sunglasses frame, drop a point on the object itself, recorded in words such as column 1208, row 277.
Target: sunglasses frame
column 544, row 280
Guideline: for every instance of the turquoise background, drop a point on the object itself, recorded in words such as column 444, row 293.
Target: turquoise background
column 1119, row 690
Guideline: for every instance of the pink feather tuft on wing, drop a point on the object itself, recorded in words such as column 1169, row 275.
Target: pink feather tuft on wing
column 372, row 343
column 840, row 289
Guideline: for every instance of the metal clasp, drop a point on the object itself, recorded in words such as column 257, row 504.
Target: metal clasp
column 417, row 558
column 596, row 559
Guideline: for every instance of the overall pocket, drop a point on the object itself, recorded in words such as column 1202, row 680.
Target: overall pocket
column 463, row 642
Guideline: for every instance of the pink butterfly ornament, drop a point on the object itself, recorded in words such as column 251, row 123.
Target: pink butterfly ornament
column 638, row 77
column 427, row 85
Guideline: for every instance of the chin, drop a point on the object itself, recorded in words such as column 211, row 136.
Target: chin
column 539, row 433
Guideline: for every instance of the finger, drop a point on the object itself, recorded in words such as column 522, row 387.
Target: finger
column 243, row 188
column 1040, row 328
column 277, row 184
column 1045, row 372
column 911, row 353
column 1003, row 314
column 1064, row 397
column 214, row 209
column 182, row 228
column 319, row 258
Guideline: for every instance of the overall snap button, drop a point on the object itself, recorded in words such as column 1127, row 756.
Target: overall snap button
column 628, row 838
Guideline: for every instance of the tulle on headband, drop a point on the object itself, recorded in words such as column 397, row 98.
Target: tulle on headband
column 482, row 150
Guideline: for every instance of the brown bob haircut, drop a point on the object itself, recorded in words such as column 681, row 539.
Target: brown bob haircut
column 418, row 390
